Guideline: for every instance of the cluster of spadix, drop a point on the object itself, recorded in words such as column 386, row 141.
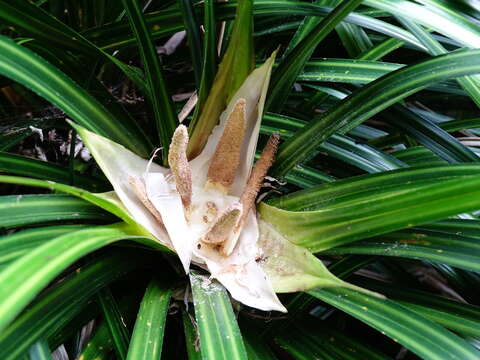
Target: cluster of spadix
column 203, row 208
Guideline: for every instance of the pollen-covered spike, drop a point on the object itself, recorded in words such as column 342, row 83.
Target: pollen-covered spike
column 177, row 159
column 257, row 175
column 225, row 161
column 223, row 227
column 140, row 191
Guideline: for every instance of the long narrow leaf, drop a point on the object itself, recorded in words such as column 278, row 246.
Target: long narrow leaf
column 236, row 65
column 310, row 339
column 469, row 83
column 287, row 71
column 371, row 99
column 107, row 201
column 147, row 337
column 27, row 68
column 100, row 345
column 209, row 65
column 21, row 165
column 22, row 210
column 454, row 315
column 54, row 309
column 190, row 331
column 338, row 146
column 15, row 245
column 459, row 251
column 194, row 40
column 357, row 208
column 430, row 135
column 220, row 337
column 115, row 322
column 22, row 280
column 165, row 116
column 416, row 333
column 41, row 25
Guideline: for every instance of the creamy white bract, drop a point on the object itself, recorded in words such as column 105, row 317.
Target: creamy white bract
column 203, row 209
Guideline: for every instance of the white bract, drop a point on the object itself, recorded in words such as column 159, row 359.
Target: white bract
column 203, row 209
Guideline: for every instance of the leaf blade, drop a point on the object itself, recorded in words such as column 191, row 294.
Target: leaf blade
column 417, row 334
column 27, row 68
column 165, row 116
column 371, row 99
column 147, row 337
column 25, row 277
column 220, row 337
column 289, row 67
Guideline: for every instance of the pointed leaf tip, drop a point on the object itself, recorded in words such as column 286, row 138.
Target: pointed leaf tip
column 292, row 268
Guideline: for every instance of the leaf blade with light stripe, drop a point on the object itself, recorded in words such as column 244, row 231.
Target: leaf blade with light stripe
column 220, row 337
column 418, row 334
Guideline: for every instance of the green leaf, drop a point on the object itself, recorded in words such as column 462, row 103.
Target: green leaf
column 209, row 64
column 306, row 177
column 27, row 68
column 40, row 351
column 236, row 65
column 23, row 279
column 354, row 39
column 191, row 339
column 430, row 135
column 115, row 322
column 193, row 37
column 418, row 334
column 470, row 84
column 239, row 57
column 346, row 70
column 338, row 146
column 55, row 308
column 22, row 210
column 292, row 268
column 15, row 245
column 69, row 329
column 364, row 206
column 310, row 340
column 256, row 346
column 48, row 30
column 100, row 345
column 37, row 22
column 147, row 337
column 290, row 66
column 465, row 227
column 118, row 35
column 302, row 349
column 419, row 156
column 454, row 315
column 107, row 201
column 461, row 124
column 165, row 116
column 381, row 49
column 451, row 24
column 371, row 99
column 220, row 337
column 456, row 27
column 21, row 165
column 456, row 250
